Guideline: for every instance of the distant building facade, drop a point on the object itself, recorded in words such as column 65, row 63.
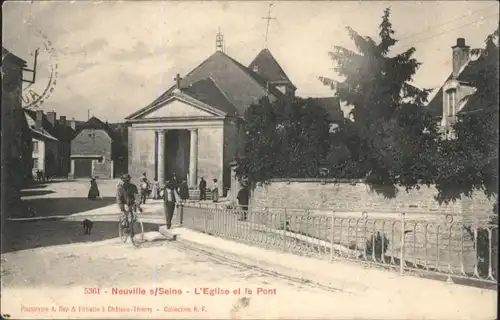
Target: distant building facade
column 51, row 142
column 457, row 96
column 98, row 149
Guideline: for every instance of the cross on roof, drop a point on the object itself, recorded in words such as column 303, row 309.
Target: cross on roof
column 178, row 81
column 268, row 18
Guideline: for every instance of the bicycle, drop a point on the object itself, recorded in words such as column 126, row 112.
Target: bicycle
column 129, row 228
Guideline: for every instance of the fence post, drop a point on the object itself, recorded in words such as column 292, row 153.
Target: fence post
column 333, row 235
column 205, row 219
column 284, row 232
column 401, row 253
column 181, row 214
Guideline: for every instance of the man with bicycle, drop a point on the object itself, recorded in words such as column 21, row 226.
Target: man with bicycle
column 126, row 195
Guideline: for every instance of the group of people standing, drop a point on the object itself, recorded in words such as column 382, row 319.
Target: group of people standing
column 129, row 194
column 202, row 186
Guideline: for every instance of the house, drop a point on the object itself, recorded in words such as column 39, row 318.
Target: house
column 456, row 96
column 196, row 129
column 98, row 149
column 51, row 141
column 16, row 147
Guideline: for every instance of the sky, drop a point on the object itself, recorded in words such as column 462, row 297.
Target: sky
column 115, row 57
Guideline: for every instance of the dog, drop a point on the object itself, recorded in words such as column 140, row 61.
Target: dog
column 87, row 226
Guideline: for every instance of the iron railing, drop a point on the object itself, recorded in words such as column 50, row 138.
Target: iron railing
column 457, row 247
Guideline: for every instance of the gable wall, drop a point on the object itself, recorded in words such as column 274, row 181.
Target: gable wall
column 176, row 108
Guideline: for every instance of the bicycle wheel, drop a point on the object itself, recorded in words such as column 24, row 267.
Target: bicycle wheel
column 121, row 231
column 136, row 232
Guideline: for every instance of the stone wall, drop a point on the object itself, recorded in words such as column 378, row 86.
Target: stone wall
column 141, row 153
column 210, row 153
column 358, row 196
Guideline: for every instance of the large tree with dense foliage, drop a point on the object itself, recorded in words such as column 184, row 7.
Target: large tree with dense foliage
column 391, row 134
column 283, row 140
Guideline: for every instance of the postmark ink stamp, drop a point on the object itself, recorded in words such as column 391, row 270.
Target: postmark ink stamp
column 41, row 80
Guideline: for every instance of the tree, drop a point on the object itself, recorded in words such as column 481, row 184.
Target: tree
column 392, row 131
column 283, row 140
column 257, row 160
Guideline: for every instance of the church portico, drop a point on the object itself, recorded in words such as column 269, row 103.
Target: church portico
column 190, row 149
column 177, row 153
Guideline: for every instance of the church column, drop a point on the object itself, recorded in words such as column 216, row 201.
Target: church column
column 160, row 156
column 193, row 158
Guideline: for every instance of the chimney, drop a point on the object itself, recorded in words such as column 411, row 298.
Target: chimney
column 62, row 120
column 39, row 120
column 72, row 124
column 51, row 117
column 460, row 56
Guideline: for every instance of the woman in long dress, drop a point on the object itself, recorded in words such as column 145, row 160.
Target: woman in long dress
column 184, row 191
column 215, row 191
column 156, row 190
column 94, row 190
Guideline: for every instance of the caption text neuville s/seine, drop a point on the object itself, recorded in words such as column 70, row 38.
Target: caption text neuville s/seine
column 204, row 291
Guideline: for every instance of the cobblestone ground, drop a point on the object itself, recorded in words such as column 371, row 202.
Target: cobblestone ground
column 49, row 266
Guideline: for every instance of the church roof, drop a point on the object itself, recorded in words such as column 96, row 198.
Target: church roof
column 209, row 92
column 239, row 85
column 269, row 68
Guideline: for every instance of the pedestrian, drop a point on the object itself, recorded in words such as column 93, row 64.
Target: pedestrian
column 156, row 189
column 175, row 181
column 144, row 188
column 170, row 199
column 243, row 197
column 215, row 191
column 184, row 191
column 94, row 190
column 203, row 189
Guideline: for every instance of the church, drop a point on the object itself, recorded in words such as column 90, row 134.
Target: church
column 196, row 128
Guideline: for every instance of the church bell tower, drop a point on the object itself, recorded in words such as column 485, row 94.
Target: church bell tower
column 219, row 42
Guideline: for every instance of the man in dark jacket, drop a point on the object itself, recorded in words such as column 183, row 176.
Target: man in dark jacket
column 243, row 197
column 169, row 200
column 203, row 189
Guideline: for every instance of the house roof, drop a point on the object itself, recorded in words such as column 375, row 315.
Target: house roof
column 331, row 105
column 57, row 131
column 269, row 68
column 6, row 54
column 96, row 124
column 239, row 85
column 469, row 71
